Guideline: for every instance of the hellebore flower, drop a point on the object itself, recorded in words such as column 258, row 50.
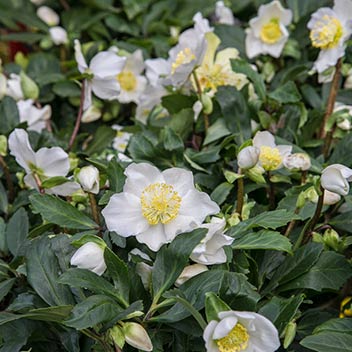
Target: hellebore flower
column 297, row 161
column 248, row 157
column 157, row 206
column 335, row 178
column 88, row 177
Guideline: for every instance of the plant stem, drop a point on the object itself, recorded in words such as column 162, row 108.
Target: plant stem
column 199, row 92
column 78, row 120
column 240, row 195
column 309, row 226
column 11, row 189
column 271, row 193
column 39, row 183
column 331, row 101
column 94, row 208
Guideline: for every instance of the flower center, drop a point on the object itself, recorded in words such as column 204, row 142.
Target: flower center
column 160, row 203
column 271, row 32
column 326, row 33
column 270, row 158
column 236, row 340
column 184, row 56
column 127, row 80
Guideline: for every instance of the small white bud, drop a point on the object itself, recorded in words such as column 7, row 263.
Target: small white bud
column 248, row 157
column 297, row 161
column 48, row 15
column 335, row 178
column 58, row 35
column 190, row 271
column 91, row 114
column 345, row 124
column 88, row 177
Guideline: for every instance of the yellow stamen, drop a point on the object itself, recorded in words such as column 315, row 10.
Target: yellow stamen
column 184, row 56
column 326, row 33
column 235, row 341
column 270, row 158
column 271, row 31
column 160, row 203
column 127, row 80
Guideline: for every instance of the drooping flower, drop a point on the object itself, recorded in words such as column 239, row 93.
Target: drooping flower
column 35, row 117
column 90, row 256
column 267, row 33
column 137, row 336
column 215, row 69
column 237, row 331
column 329, row 31
column 88, row 177
column 335, row 178
column 132, row 82
column 271, row 156
column 45, row 163
column 104, row 68
column 210, row 250
column 157, row 206
column 58, row 35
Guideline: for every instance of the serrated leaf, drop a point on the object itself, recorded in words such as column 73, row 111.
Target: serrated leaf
column 59, row 212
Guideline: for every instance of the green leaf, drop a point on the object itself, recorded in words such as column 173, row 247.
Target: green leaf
column 287, row 93
column 174, row 103
column 241, row 66
column 17, row 232
column 134, row 7
column 171, row 140
column 66, row 89
column 5, row 287
column 216, row 131
column 60, row 212
column 263, row 239
column 328, row 342
column 24, row 37
column 170, row 260
column 341, row 152
column 342, row 222
column 330, row 272
column 231, row 36
column 282, row 310
column 182, row 122
column 116, row 176
column 221, row 192
column 119, row 273
column 102, row 139
column 42, row 273
column 3, row 200
column 9, row 115
column 335, row 325
column 54, row 181
column 92, row 311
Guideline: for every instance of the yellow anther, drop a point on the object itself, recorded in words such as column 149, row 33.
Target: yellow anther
column 184, row 56
column 160, row 203
column 235, row 341
column 270, row 158
column 326, row 33
column 127, row 80
column 271, row 33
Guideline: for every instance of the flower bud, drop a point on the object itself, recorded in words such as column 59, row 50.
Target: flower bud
column 290, row 333
column 331, row 198
column 248, row 157
column 58, row 35
column 14, row 89
column 297, row 161
column 214, row 305
column 48, row 15
column 332, row 239
column 190, row 271
column 197, row 108
column 223, row 14
column 145, row 273
column 88, row 177
column 3, row 82
column 91, row 114
column 136, row 336
column 207, row 104
column 90, row 256
column 3, row 145
column 117, row 336
column 256, row 174
column 29, row 87
column 335, row 179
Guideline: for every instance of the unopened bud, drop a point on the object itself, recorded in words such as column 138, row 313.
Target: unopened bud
column 91, row 114
column 136, row 336
column 256, row 174
column 29, row 87
column 88, row 177
column 207, row 104
column 248, row 157
column 189, row 272
column 290, row 333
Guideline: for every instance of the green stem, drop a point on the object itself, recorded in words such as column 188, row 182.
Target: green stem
column 199, row 92
column 240, row 195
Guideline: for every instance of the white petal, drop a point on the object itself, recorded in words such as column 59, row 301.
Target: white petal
column 253, row 45
column 284, row 149
column 123, row 214
column 328, row 58
column 108, row 89
column 87, row 94
column 264, row 138
column 182, row 223
column 333, row 181
column 21, row 149
column 82, row 64
column 65, row 189
column 181, row 179
column 106, row 64
column 343, row 8
column 208, row 337
column 224, row 327
column 53, row 161
column 154, row 237
column 139, row 176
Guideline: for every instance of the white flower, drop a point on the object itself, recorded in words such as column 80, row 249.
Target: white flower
column 248, row 157
column 121, row 140
column 329, row 31
column 157, row 206
column 201, row 24
column 132, row 83
column 88, row 177
column 156, row 70
column 190, row 271
column 48, row 15
column 58, row 35
column 92, row 114
column 45, row 163
column 335, row 178
column 297, row 161
column 267, row 33
column 14, row 88
column 224, row 14
column 241, row 331
column 137, row 337
column 210, row 250
column 3, row 83
column 271, row 155
column 197, row 109
column 344, row 122
column 90, row 256
column 35, row 117
column 105, row 66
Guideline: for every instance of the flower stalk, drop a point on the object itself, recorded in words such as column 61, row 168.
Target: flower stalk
column 240, row 194
column 9, row 183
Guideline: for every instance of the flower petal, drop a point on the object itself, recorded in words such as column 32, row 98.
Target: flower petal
column 154, row 237
column 106, row 65
column 264, row 138
column 224, row 327
column 181, row 179
column 81, row 61
column 108, row 89
column 53, row 161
